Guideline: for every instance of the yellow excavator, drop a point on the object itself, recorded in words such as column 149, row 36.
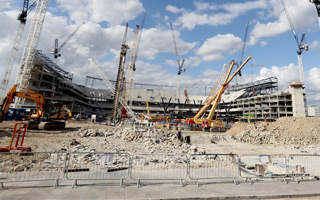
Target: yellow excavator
column 47, row 116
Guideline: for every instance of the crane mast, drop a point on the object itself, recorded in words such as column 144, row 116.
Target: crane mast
column 111, row 88
column 117, row 90
column 300, row 44
column 26, row 63
column 180, row 64
column 132, row 67
column 22, row 17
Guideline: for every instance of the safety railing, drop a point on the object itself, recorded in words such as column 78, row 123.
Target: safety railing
column 159, row 167
column 86, row 166
column 213, row 166
column 263, row 166
column 31, row 166
column 307, row 166
column 98, row 166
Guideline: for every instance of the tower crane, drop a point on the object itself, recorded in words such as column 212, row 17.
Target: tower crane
column 301, row 45
column 122, row 61
column 134, row 54
column 132, row 67
column 22, row 17
column 243, row 48
column 22, row 78
column 317, row 4
column 56, row 50
column 180, row 64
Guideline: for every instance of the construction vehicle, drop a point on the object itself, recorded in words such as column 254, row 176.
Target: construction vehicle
column 48, row 116
column 208, row 124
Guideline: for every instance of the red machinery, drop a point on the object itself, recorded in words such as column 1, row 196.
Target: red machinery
column 18, row 128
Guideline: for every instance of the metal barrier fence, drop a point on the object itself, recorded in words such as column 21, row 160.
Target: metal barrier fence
column 159, row 167
column 98, row 166
column 304, row 165
column 263, row 166
column 31, row 166
column 44, row 166
column 213, row 166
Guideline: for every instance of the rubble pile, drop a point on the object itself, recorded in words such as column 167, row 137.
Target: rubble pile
column 285, row 131
column 133, row 139
column 33, row 162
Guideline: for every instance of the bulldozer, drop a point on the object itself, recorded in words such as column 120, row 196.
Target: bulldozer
column 48, row 116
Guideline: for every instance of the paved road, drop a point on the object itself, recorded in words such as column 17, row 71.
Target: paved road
column 160, row 190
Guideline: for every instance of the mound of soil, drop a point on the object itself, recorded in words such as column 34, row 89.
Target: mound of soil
column 286, row 130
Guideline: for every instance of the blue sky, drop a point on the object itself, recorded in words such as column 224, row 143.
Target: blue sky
column 208, row 34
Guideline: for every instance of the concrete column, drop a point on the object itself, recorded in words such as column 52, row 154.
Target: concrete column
column 298, row 104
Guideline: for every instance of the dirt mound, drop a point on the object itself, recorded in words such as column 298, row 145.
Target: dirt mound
column 287, row 130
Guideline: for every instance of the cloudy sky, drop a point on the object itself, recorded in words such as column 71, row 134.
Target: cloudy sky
column 209, row 33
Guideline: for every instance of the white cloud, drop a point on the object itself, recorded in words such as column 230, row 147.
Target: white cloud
column 213, row 48
column 302, row 14
column 202, row 6
column 155, row 41
column 263, row 43
column 174, row 9
column 192, row 61
column 315, row 45
column 240, row 8
column 5, row 4
column 191, row 19
column 114, row 12
column 285, row 74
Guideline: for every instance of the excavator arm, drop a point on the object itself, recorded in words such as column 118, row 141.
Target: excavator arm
column 38, row 98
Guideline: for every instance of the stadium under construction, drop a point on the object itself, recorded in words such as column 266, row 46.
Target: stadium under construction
column 259, row 100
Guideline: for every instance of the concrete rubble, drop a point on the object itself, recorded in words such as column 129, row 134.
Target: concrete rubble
column 282, row 132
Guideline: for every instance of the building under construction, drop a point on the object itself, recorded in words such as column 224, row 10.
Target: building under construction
column 259, row 100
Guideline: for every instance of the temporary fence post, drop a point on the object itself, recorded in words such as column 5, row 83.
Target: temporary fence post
column 121, row 183
column 74, row 183
column 239, row 166
column 138, row 183
column 56, row 183
column 2, row 185
column 234, row 181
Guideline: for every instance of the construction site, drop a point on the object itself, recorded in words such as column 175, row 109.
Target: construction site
column 136, row 135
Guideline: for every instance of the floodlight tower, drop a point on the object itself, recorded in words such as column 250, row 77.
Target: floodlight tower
column 180, row 64
column 301, row 45
column 317, row 4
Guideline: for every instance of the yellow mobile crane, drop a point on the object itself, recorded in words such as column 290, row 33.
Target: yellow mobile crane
column 208, row 123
